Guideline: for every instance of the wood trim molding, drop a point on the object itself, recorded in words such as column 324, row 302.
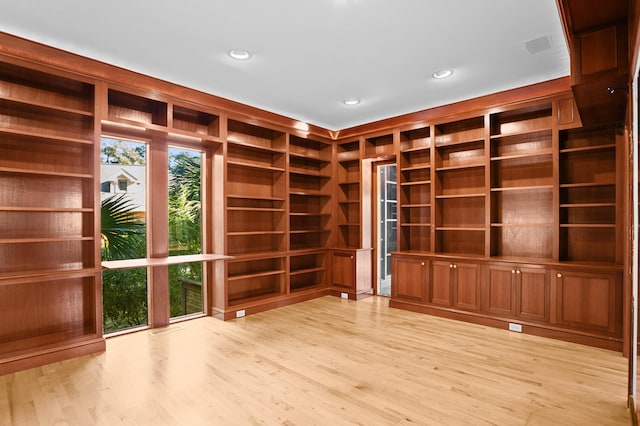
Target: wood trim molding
column 470, row 106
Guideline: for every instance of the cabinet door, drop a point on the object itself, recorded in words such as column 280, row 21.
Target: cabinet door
column 533, row 294
column 441, row 274
column 500, row 290
column 588, row 301
column 343, row 269
column 409, row 278
column 467, row 286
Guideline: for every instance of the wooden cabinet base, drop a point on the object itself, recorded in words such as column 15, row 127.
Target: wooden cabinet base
column 338, row 292
column 36, row 358
column 548, row 331
column 265, row 304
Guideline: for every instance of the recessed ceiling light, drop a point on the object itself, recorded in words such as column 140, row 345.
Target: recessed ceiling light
column 351, row 102
column 239, row 54
column 439, row 75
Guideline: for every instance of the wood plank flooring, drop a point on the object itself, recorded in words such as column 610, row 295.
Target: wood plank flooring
column 327, row 361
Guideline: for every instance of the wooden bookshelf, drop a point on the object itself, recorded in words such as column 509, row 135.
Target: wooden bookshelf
column 49, row 282
column 459, row 187
column 310, row 185
column 414, row 178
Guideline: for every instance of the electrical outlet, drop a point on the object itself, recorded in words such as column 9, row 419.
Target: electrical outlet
column 240, row 313
column 515, row 327
column 344, row 295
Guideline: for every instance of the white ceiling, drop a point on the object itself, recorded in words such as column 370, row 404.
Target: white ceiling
column 309, row 55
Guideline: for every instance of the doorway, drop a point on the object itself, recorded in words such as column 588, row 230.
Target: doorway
column 387, row 225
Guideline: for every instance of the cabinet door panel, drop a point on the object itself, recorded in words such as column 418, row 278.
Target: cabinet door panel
column 343, row 270
column 587, row 301
column 533, row 295
column 467, row 284
column 441, row 283
column 499, row 294
column 409, row 278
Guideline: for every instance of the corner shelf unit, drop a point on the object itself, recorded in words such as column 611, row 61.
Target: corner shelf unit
column 279, row 219
column 49, row 242
column 348, row 178
column 310, row 184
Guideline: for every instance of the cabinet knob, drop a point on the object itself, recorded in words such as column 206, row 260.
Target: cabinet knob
column 559, row 275
column 422, row 263
column 513, row 271
column 451, row 265
column 351, row 257
column 455, row 266
column 518, row 271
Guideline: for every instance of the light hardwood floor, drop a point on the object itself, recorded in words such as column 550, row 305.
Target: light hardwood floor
column 326, row 361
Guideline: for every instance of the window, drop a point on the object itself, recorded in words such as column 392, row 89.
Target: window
column 185, row 231
column 123, row 233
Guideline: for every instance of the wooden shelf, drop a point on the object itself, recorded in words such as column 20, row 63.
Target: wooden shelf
column 22, row 103
column 254, row 209
column 587, row 225
column 45, row 209
column 255, row 275
column 460, row 228
column 45, row 172
column 50, row 137
column 586, row 205
column 594, row 148
column 522, row 188
column 524, row 225
column 417, row 182
column 416, row 167
column 42, row 240
column 460, row 167
column 586, row 184
column 245, row 233
column 237, row 163
column 417, row 225
column 247, row 145
column 161, row 261
column 523, row 155
column 307, row 271
column 412, row 206
column 252, row 197
column 470, row 195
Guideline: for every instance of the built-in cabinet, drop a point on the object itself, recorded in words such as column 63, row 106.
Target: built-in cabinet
column 513, row 215
column 279, row 219
column 49, row 209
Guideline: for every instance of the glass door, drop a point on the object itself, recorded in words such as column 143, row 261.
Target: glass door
column 387, row 225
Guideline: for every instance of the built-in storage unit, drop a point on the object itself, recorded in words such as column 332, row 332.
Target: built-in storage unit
column 459, row 186
column 279, row 218
column 49, row 238
column 414, row 179
column 524, row 212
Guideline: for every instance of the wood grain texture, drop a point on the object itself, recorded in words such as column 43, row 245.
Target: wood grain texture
column 326, row 361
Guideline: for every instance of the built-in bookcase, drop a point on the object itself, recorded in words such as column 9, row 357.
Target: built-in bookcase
column 415, row 190
column 588, row 195
column 348, row 196
column 522, row 182
column 310, row 184
column 49, row 241
column 459, row 186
